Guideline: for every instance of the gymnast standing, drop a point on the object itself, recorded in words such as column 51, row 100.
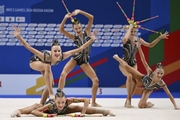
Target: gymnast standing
column 42, row 60
column 130, row 46
column 82, row 58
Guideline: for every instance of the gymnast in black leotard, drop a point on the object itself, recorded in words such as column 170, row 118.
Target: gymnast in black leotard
column 43, row 60
column 61, row 106
column 82, row 58
column 130, row 46
column 150, row 81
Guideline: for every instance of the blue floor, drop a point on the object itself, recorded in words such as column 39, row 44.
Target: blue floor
column 153, row 95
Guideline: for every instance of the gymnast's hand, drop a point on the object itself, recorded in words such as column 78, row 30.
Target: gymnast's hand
column 75, row 12
column 138, row 42
column 164, row 36
column 81, row 115
column 93, row 35
column 68, row 15
column 17, row 31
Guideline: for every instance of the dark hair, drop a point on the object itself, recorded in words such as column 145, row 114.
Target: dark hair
column 76, row 21
column 55, row 42
column 60, row 93
column 159, row 65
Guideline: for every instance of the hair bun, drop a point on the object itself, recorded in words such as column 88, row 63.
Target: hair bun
column 76, row 21
column 59, row 90
column 55, row 42
column 159, row 64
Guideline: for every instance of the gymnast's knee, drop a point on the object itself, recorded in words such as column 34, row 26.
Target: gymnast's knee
column 95, row 81
column 63, row 76
column 47, row 67
column 129, row 76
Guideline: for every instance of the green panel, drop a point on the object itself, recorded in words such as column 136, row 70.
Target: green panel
column 76, row 79
column 174, row 15
column 156, row 54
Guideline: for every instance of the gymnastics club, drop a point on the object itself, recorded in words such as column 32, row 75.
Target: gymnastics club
column 123, row 11
column 78, row 115
column 148, row 29
column 132, row 18
column 72, row 20
column 138, row 22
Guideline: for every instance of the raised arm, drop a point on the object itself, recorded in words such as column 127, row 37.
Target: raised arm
column 86, row 102
column 71, row 52
column 170, row 96
column 90, row 19
column 146, row 66
column 126, row 36
column 153, row 43
column 61, row 27
column 26, row 45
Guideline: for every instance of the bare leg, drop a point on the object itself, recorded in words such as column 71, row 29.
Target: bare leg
column 132, row 85
column 143, row 101
column 90, row 110
column 44, row 96
column 136, row 74
column 26, row 110
column 92, row 75
column 129, row 83
column 68, row 67
column 45, row 92
column 40, row 66
column 48, row 80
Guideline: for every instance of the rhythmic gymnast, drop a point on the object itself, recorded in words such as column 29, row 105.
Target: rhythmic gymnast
column 42, row 60
column 151, row 81
column 61, row 106
column 82, row 58
column 130, row 47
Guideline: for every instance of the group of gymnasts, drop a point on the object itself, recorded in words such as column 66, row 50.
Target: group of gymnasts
column 58, row 104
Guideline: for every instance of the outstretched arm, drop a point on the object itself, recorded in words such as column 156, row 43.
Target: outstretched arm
column 126, row 36
column 170, row 96
column 71, row 52
column 61, row 27
column 146, row 66
column 39, row 111
column 26, row 45
column 86, row 102
column 90, row 19
column 152, row 44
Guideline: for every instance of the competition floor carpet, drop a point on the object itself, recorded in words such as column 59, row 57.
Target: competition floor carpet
column 163, row 109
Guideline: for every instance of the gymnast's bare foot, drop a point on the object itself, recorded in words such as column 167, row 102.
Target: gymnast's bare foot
column 108, row 112
column 128, row 104
column 95, row 105
column 16, row 113
column 150, row 105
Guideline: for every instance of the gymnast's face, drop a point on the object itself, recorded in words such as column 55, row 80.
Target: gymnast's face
column 159, row 72
column 78, row 29
column 56, row 52
column 60, row 102
column 133, row 32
